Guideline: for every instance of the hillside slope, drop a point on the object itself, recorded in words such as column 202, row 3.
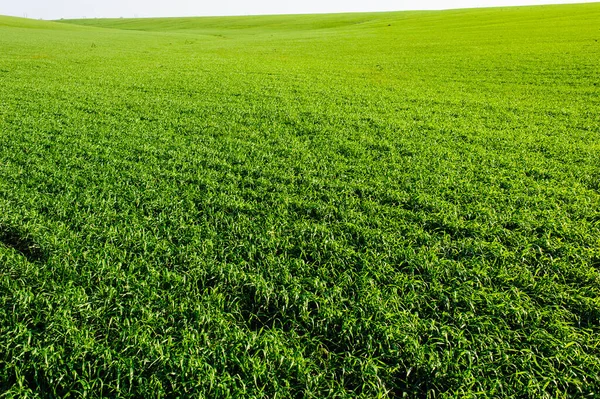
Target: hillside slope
column 422, row 20
column 357, row 205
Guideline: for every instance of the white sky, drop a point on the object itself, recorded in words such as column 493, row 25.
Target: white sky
column 54, row 9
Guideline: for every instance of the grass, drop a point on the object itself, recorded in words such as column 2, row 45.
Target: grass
column 360, row 205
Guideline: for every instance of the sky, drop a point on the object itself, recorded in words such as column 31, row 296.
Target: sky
column 56, row 9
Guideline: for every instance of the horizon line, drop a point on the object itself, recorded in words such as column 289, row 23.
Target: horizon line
column 307, row 13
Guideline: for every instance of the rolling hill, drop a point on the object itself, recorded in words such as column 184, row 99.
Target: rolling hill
column 356, row 205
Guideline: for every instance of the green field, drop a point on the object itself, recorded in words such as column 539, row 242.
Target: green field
column 357, row 205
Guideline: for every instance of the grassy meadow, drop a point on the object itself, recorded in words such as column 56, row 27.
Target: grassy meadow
column 348, row 206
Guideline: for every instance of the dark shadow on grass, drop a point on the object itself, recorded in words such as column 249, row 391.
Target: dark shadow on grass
column 338, row 348
column 22, row 243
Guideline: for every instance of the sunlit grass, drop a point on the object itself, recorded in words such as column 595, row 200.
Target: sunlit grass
column 361, row 205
